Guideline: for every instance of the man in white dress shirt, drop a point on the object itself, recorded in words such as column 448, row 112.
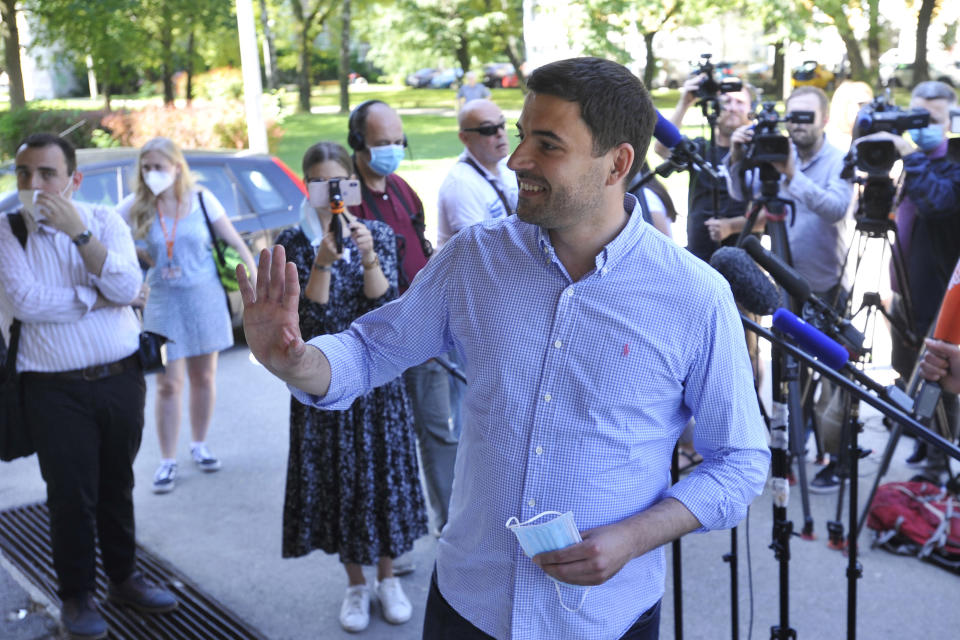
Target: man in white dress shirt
column 480, row 186
column 71, row 287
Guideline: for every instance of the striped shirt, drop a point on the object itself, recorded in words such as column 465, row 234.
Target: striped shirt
column 577, row 393
column 50, row 290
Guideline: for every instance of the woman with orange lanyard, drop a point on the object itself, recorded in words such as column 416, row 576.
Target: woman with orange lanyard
column 186, row 302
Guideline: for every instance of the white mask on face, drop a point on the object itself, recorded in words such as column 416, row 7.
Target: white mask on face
column 158, row 181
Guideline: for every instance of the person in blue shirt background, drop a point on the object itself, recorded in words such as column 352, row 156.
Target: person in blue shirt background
column 590, row 340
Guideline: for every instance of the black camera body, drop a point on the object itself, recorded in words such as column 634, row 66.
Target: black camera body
column 711, row 87
column 769, row 144
column 877, row 157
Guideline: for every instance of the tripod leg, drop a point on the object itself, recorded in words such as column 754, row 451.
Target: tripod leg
column 795, row 417
column 677, row 564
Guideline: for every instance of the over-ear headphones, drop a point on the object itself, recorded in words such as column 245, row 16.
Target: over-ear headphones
column 357, row 123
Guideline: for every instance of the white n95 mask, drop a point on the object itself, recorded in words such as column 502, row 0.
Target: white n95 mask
column 559, row 533
column 158, row 181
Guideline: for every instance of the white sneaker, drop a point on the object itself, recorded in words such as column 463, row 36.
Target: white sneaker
column 393, row 601
column 165, row 477
column 204, row 460
column 355, row 610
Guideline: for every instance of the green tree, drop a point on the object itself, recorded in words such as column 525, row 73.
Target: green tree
column 839, row 12
column 109, row 31
column 782, row 22
column 11, row 52
column 308, row 16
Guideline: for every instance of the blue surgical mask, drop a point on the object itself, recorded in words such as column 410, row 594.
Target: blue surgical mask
column 928, row 138
column 556, row 534
column 385, row 160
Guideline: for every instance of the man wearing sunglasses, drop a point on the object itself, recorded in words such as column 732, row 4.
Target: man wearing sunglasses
column 479, row 186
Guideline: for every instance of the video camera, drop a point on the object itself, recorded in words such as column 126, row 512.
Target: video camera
column 877, row 157
column 768, row 144
column 710, row 87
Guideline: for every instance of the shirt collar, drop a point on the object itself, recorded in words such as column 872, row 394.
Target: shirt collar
column 620, row 246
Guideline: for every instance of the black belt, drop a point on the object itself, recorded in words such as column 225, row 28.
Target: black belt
column 91, row 374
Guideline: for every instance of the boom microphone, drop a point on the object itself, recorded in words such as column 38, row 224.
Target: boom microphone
column 666, row 133
column 785, row 275
column 682, row 153
column 751, row 288
column 811, row 339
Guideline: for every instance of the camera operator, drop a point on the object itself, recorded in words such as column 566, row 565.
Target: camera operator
column 811, row 178
column 928, row 227
column 703, row 238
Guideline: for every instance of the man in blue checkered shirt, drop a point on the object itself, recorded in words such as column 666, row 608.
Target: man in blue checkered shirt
column 590, row 340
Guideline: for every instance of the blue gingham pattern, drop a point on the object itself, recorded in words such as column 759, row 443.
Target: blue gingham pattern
column 577, row 394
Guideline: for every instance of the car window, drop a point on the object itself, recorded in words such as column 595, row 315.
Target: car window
column 100, row 187
column 217, row 180
column 264, row 193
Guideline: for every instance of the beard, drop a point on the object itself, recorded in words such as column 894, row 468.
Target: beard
column 562, row 206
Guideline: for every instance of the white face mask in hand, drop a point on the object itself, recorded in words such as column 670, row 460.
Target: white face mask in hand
column 559, row 533
column 158, row 181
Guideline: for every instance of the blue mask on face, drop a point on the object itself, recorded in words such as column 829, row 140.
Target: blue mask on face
column 385, row 160
column 929, row 137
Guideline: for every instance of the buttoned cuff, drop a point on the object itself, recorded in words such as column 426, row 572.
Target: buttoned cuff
column 338, row 356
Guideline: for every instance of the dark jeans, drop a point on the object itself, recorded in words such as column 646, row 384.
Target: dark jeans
column 442, row 622
column 87, row 435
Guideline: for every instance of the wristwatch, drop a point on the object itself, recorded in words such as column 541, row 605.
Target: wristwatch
column 372, row 264
column 82, row 238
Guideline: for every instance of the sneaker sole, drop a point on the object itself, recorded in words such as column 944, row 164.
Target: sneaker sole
column 83, row 636
column 832, row 489
column 166, row 488
column 140, row 607
column 208, row 468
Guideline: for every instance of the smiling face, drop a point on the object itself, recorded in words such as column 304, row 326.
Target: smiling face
column 561, row 182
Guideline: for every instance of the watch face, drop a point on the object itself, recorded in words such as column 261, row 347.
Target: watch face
column 83, row 238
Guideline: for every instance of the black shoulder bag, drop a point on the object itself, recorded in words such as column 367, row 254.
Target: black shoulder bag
column 15, row 441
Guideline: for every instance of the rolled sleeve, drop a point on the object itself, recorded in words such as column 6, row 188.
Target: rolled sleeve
column 120, row 277
column 729, row 431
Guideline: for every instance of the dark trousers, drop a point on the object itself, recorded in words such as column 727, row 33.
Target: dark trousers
column 87, row 435
column 442, row 622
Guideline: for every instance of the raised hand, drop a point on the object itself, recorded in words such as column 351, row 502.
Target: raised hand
column 271, row 323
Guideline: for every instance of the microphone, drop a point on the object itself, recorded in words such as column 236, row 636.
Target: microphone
column 751, row 288
column 811, row 339
column 785, row 275
column 682, row 153
column 947, row 329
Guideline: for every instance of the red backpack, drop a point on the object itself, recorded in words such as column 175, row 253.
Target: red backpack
column 918, row 519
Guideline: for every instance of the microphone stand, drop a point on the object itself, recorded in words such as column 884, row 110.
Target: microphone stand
column 880, row 400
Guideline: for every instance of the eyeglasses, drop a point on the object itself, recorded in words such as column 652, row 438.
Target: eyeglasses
column 488, row 129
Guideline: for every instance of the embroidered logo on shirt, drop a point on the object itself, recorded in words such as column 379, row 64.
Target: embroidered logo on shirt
column 626, row 350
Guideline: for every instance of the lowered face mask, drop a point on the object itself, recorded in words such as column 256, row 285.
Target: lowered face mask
column 559, row 533
column 158, row 181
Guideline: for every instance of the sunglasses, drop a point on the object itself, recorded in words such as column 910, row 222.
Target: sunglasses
column 488, row 129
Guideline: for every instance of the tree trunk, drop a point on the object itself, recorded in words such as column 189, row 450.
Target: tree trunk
column 166, row 42
column 269, row 50
column 921, row 72
column 857, row 68
column 191, row 45
column 345, row 58
column 873, row 40
column 303, row 72
column 651, row 67
column 11, row 42
column 779, row 67
column 463, row 52
column 513, row 54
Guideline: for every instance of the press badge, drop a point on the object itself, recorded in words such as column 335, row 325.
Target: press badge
column 171, row 272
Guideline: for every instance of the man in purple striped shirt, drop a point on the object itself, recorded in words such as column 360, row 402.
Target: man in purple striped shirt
column 71, row 287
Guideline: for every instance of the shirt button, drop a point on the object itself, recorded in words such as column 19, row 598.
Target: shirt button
column 558, row 344
column 547, row 397
column 604, row 270
column 570, row 292
column 539, row 451
column 532, row 502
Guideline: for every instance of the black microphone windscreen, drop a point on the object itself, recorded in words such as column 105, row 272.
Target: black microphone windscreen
column 785, row 275
column 752, row 289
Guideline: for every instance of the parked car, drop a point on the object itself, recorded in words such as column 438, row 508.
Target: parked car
column 260, row 193
column 421, row 78
column 901, row 74
column 495, row 72
column 812, row 73
column 446, row 78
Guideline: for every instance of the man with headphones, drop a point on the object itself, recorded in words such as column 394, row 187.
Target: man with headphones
column 377, row 139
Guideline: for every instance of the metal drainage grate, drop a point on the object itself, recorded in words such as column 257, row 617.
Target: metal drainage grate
column 25, row 540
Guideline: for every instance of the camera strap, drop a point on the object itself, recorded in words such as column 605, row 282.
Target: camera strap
column 506, row 205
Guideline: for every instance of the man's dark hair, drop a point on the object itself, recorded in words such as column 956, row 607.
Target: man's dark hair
column 614, row 104
column 45, row 140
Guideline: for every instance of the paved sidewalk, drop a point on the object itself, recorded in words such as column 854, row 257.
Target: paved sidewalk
column 223, row 531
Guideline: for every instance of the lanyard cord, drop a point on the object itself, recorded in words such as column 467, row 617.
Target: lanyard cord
column 169, row 239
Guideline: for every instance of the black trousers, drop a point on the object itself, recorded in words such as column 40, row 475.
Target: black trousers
column 443, row 622
column 87, row 434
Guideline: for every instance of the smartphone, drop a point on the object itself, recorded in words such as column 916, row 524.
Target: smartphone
column 320, row 192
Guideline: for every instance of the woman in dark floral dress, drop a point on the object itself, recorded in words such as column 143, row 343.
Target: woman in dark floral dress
column 353, row 486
